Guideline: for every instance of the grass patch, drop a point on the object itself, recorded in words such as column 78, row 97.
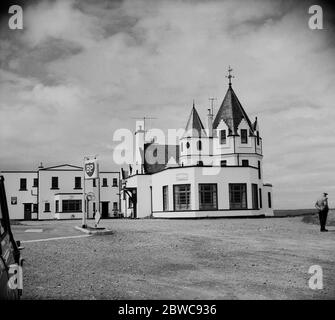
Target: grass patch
column 292, row 213
column 314, row 219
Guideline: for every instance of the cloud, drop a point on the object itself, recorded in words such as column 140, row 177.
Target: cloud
column 60, row 20
column 82, row 69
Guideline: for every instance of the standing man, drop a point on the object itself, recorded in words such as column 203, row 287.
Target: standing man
column 322, row 205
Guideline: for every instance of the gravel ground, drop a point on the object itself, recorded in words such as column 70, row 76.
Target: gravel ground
column 182, row 259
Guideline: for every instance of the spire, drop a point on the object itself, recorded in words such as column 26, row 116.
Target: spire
column 194, row 126
column 229, row 76
column 231, row 112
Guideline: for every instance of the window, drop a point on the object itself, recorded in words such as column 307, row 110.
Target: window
column 244, row 136
column 254, row 189
column 114, row 182
column 200, row 163
column 114, row 206
column 104, row 182
column 245, row 163
column 258, row 138
column 182, row 197
column 93, row 207
column 71, row 205
column 207, row 196
column 259, row 170
column 199, row 145
column 238, row 195
column 154, row 153
column 260, row 198
column 165, row 198
column 57, row 205
column 35, row 207
column 269, row 199
column 47, row 207
column 23, row 184
column 223, row 137
column 223, row 163
column 187, row 145
column 94, row 181
column 35, row 183
column 77, row 182
column 54, row 183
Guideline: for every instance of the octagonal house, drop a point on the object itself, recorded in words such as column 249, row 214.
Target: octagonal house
column 212, row 172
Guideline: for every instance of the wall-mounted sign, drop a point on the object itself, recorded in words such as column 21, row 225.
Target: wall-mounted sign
column 13, row 200
column 91, row 168
column 181, row 176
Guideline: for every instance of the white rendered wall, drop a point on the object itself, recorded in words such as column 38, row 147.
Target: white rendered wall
column 222, row 176
column 12, row 186
column 66, row 184
column 142, row 183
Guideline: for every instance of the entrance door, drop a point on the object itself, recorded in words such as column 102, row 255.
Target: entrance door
column 254, row 196
column 27, row 211
column 104, row 209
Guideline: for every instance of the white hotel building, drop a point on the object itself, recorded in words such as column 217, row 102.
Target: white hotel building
column 213, row 172
column 57, row 193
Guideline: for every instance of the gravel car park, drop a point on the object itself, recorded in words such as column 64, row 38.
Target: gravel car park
column 178, row 259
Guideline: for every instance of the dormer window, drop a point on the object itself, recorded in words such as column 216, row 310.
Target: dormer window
column 223, row 137
column 187, row 145
column 223, row 163
column 244, row 136
column 245, row 163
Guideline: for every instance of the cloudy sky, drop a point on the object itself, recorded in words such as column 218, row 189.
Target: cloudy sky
column 79, row 70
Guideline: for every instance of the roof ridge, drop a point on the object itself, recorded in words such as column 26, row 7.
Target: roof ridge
column 62, row 165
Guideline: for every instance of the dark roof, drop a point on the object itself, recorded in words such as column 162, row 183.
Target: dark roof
column 158, row 156
column 194, row 126
column 231, row 112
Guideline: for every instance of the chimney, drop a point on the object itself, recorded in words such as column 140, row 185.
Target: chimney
column 210, row 123
column 139, row 146
column 40, row 166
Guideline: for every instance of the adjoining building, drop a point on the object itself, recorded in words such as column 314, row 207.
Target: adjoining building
column 212, row 172
column 57, row 193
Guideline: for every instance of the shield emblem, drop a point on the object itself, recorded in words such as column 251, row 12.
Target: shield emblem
column 90, row 168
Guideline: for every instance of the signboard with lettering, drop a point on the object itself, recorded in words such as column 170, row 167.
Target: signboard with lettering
column 181, row 176
column 91, row 168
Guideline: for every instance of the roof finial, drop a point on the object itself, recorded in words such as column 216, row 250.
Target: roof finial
column 229, row 75
column 193, row 103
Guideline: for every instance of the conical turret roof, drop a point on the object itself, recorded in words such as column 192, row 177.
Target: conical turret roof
column 231, row 112
column 194, row 126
